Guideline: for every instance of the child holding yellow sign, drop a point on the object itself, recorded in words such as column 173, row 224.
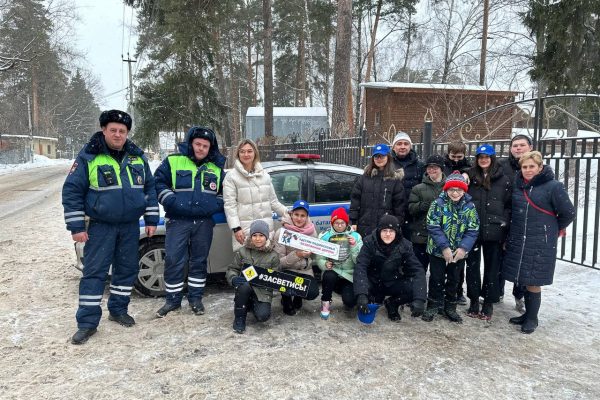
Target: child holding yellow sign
column 258, row 252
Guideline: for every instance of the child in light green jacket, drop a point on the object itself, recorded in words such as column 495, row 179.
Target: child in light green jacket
column 337, row 274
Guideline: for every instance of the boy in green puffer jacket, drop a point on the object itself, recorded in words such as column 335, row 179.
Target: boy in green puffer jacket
column 337, row 274
column 257, row 251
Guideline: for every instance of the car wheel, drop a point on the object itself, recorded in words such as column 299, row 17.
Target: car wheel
column 151, row 280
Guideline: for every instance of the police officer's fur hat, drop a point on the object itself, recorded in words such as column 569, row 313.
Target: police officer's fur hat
column 118, row 116
column 200, row 132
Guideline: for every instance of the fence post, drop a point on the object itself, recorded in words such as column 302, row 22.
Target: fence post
column 427, row 133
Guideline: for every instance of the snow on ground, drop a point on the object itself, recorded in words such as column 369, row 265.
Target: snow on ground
column 38, row 162
column 302, row 357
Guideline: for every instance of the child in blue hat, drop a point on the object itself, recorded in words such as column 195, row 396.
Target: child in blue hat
column 294, row 261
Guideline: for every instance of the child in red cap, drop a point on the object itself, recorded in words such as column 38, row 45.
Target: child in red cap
column 337, row 274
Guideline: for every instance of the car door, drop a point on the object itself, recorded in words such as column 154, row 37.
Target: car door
column 330, row 188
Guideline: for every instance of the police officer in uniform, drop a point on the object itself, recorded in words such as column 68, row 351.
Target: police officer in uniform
column 111, row 183
column 189, row 186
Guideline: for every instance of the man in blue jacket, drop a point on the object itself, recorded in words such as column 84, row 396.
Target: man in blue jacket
column 110, row 182
column 189, row 186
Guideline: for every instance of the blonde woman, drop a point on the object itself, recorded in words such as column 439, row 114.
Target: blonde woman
column 541, row 210
column 248, row 193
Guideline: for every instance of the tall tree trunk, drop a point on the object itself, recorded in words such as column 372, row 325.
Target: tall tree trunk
column 341, row 77
column 359, row 64
column 447, row 60
column 309, row 59
column 268, row 73
column 35, row 100
column 300, row 92
column 250, row 75
column 234, row 96
column 408, row 44
column 370, row 55
column 225, row 120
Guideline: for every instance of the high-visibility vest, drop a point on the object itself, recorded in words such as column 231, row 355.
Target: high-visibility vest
column 210, row 175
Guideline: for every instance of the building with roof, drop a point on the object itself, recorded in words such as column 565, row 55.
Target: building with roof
column 401, row 106
column 298, row 121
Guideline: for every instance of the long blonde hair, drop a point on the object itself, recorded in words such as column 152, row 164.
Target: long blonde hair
column 244, row 142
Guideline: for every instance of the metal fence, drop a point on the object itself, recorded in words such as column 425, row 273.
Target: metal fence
column 575, row 161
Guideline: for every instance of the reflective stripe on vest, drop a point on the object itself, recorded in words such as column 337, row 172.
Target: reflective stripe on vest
column 183, row 163
column 101, row 165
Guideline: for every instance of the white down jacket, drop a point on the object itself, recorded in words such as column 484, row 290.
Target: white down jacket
column 249, row 196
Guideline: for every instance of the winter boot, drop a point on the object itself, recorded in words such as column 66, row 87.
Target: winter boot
column 391, row 305
column 297, row 303
column 239, row 321
column 197, row 307
column 122, row 319
column 288, row 305
column 532, row 305
column 82, row 335
column 325, row 305
column 450, row 311
column 473, row 310
column 486, row 311
column 167, row 308
column 461, row 299
column 519, row 305
column 520, row 320
column 432, row 309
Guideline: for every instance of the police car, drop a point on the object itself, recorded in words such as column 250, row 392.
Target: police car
column 296, row 176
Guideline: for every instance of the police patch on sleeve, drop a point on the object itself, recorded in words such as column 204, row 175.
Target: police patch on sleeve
column 73, row 168
column 213, row 186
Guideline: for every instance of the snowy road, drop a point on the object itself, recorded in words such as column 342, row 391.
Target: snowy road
column 302, row 357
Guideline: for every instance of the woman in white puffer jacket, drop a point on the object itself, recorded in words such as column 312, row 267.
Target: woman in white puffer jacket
column 248, row 193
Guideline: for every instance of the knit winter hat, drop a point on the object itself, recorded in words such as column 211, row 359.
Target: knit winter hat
column 456, row 180
column 259, row 226
column 301, row 204
column 401, row 136
column 388, row 222
column 118, row 116
column 435, row 159
column 340, row 213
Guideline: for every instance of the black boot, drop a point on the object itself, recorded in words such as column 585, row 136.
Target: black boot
column 450, row 311
column 82, row 335
column 288, row 305
column 532, row 306
column 297, row 303
column 391, row 305
column 239, row 321
column 473, row 310
column 167, row 308
column 486, row 311
column 122, row 319
column 520, row 320
column 433, row 307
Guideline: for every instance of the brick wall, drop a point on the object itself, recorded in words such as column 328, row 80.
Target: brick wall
column 392, row 109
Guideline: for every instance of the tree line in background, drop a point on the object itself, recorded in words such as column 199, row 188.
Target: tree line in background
column 205, row 61
column 42, row 91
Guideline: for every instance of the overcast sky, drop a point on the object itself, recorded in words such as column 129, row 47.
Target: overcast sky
column 100, row 35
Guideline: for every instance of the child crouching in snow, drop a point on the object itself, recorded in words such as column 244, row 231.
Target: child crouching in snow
column 293, row 261
column 337, row 274
column 453, row 227
column 257, row 251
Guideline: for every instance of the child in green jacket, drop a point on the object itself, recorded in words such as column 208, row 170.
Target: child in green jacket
column 337, row 274
column 257, row 252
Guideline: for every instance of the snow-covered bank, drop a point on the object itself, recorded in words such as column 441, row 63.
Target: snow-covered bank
column 38, row 162
column 302, row 357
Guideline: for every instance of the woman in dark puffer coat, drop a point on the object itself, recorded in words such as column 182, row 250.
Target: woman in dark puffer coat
column 491, row 193
column 379, row 191
column 541, row 211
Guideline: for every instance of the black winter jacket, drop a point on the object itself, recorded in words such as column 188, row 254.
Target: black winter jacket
column 461, row 166
column 373, row 196
column 510, row 167
column 413, row 170
column 531, row 246
column 419, row 201
column 374, row 268
column 493, row 205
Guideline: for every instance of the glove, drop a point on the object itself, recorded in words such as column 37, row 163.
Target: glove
column 418, row 307
column 238, row 281
column 447, row 254
column 459, row 254
column 363, row 303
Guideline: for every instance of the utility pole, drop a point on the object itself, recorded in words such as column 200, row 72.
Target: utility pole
column 486, row 11
column 129, row 61
column 30, row 151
